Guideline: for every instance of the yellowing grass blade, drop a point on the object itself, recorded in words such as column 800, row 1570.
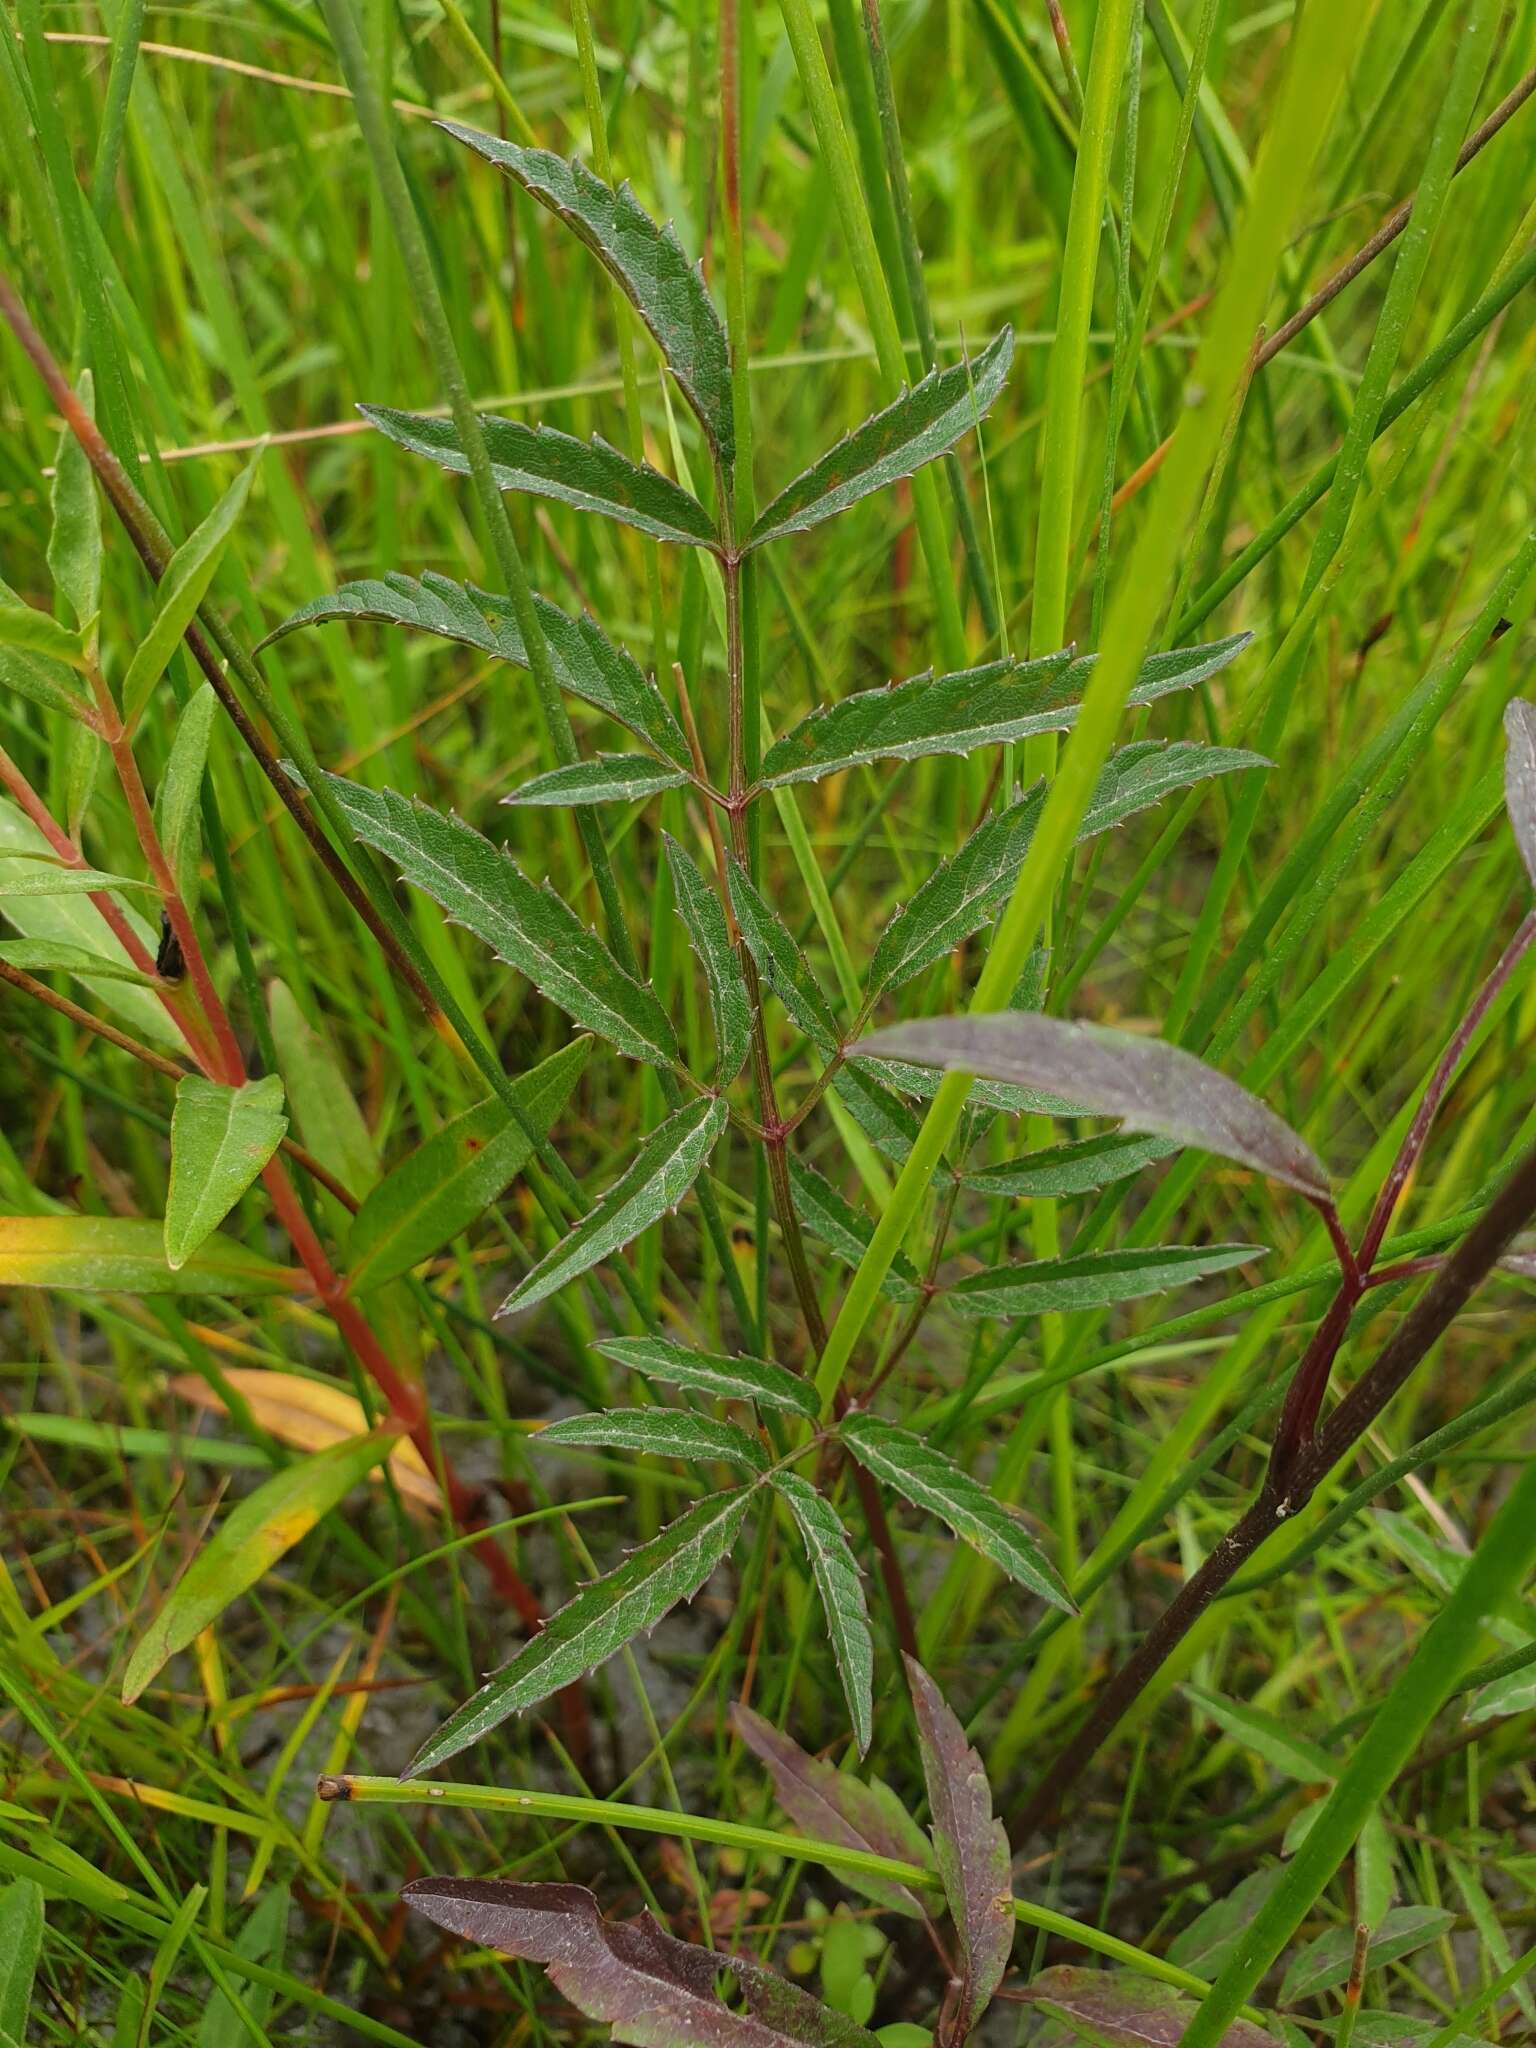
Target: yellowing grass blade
column 312, row 1415
column 248, row 1543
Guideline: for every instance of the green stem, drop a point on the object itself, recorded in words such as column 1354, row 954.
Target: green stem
column 837, row 155
column 1494, row 1574
column 373, row 119
column 702, row 1827
column 1319, row 63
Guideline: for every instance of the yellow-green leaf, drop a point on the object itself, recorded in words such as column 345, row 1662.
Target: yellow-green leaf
column 249, row 1542
column 126, row 1255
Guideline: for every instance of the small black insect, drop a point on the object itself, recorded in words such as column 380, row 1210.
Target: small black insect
column 169, row 963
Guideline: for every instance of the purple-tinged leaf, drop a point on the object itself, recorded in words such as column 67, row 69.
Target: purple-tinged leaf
column 1520, row 777
column 1119, row 2010
column 830, row 1805
column 652, row 1989
column 972, row 1854
column 1151, row 1086
column 1521, row 1258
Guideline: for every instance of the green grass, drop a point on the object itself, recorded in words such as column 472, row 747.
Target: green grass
column 237, row 256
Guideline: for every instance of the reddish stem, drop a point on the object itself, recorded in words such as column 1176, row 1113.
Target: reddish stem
column 1439, row 1085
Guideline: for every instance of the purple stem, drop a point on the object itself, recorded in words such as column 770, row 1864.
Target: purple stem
column 1435, row 1093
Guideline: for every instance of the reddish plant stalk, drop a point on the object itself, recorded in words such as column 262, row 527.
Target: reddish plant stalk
column 217, row 1055
column 1426, row 1322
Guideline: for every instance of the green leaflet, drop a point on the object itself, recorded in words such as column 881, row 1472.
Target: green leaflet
column 480, row 886
column 698, row 906
column 928, row 714
column 454, row 1176
column 842, row 1597
column 249, row 1541
column 21, row 876
column 965, row 891
column 646, row 261
column 28, row 631
column 178, row 801
column 881, row 1115
column 916, row 428
column 73, row 921
column 656, row 1180
column 182, row 589
column 1079, row 1168
column 49, row 956
column 726, row 1379
column 1091, row 1280
column 1324, row 1964
column 999, row 702
column 586, row 662
column 834, row 1222
column 21, row 1943
column 607, row 779
column 42, row 681
column 589, row 476
column 74, row 541
column 929, row 1480
column 660, row 1433
column 126, row 1255
column 784, row 968
column 1292, row 1754
column 221, row 1138
column 602, row 1618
